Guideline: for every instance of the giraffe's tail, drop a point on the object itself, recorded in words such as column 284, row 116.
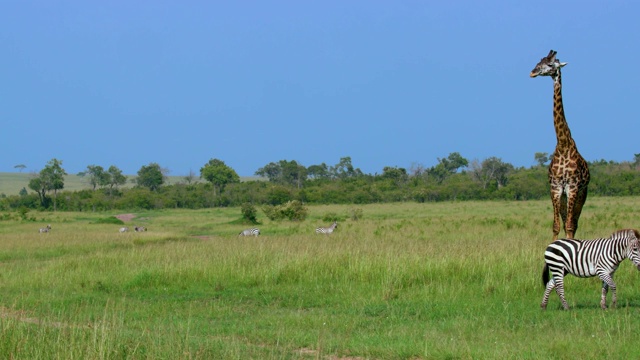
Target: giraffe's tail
column 545, row 275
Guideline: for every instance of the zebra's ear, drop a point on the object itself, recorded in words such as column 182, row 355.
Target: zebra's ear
column 636, row 233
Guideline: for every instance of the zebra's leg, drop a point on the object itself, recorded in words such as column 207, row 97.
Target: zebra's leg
column 547, row 291
column 607, row 283
column 560, row 290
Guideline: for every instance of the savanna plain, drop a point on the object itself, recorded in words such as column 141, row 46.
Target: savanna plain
column 458, row 280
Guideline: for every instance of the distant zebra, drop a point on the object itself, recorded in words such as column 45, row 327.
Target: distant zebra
column 140, row 228
column 45, row 229
column 327, row 230
column 587, row 258
column 250, row 232
column 124, row 229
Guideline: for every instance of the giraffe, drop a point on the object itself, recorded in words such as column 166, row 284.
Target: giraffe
column 568, row 171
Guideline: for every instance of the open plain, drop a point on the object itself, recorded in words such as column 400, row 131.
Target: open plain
column 457, row 280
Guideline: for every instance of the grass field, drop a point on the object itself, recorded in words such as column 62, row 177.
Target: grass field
column 408, row 281
column 12, row 183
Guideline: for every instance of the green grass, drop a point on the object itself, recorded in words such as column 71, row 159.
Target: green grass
column 415, row 281
column 12, row 183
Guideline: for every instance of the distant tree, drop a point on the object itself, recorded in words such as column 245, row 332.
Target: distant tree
column 398, row 175
column 219, row 175
column 636, row 160
column 417, row 169
column 541, row 158
column 491, row 170
column 318, row 171
column 190, row 178
column 20, row 166
column 95, row 174
column 113, row 178
column 284, row 172
column 150, row 177
column 448, row 166
column 36, row 184
column 271, row 171
column 52, row 177
column 344, row 169
column 23, row 192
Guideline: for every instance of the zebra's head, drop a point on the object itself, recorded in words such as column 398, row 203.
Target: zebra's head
column 633, row 251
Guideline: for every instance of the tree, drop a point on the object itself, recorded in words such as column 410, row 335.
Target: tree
column 150, row 177
column 448, row 166
column 284, row 172
column 36, row 184
column 491, row 170
column 541, row 158
column 397, row 175
column 113, row 178
column 219, row 175
column 20, row 166
column 318, row 171
column 95, row 175
column 191, row 178
column 271, row 171
column 52, row 177
column 344, row 169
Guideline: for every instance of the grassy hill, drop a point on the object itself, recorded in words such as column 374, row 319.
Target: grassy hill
column 12, row 183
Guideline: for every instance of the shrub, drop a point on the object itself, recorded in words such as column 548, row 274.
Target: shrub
column 249, row 213
column 293, row 210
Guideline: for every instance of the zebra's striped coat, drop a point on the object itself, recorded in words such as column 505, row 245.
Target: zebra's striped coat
column 45, row 229
column 250, row 232
column 327, row 230
column 587, row 258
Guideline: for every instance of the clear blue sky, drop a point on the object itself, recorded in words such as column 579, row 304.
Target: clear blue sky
column 388, row 83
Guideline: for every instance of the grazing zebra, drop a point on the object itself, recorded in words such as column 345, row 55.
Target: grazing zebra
column 587, row 258
column 124, row 229
column 250, row 232
column 45, row 229
column 327, row 230
column 140, row 228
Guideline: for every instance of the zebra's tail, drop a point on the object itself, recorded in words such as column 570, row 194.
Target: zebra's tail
column 545, row 275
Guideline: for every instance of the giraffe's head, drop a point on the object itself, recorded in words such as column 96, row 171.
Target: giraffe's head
column 548, row 66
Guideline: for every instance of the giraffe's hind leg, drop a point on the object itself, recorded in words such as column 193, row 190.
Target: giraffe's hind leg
column 557, row 202
column 575, row 209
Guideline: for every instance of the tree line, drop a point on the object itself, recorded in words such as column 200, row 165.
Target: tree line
column 453, row 178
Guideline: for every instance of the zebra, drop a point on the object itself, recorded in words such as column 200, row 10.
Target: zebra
column 45, row 229
column 327, row 230
column 250, row 232
column 140, row 228
column 124, row 229
column 587, row 258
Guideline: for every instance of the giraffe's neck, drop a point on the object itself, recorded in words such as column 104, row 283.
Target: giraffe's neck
column 563, row 134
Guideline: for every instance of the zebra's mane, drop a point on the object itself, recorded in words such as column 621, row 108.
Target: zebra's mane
column 626, row 233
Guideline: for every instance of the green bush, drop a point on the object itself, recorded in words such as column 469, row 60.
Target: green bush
column 293, row 210
column 249, row 213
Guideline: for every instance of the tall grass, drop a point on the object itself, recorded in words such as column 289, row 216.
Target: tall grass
column 454, row 280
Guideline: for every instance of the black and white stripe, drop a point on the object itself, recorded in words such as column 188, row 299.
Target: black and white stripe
column 587, row 258
column 250, row 232
column 45, row 229
column 140, row 228
column 327, row 230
